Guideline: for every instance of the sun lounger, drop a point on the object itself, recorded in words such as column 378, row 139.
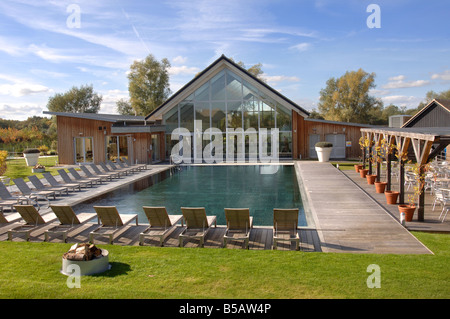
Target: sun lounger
column 66, row 178
column 106, row 172
column 111, row 222
column 239, row 225
column 161, row 224
column 27, row 191
column 138, row 166
column 106, row 169
column 78, row 177
column 8, row 203
column 197, row 224
column 68, row 221
column 52, row 181
column 87, row 172
column 127, row 171
column 285, row 226
column 32, row 220
column 7, row 196
column 39, row 186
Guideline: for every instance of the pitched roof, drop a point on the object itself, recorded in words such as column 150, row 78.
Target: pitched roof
column 201, row 75
column 441, row 102
column 100, row 117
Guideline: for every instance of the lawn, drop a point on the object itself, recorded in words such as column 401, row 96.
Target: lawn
column 31, row 270
column 17, row 168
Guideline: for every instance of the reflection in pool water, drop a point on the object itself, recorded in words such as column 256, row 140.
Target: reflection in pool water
column 212, row 187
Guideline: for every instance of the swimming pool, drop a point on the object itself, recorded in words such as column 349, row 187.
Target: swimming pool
column 213, row 187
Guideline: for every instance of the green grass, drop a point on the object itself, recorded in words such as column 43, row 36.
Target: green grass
column 17, row 168
column 31, row 270
column 344, row 166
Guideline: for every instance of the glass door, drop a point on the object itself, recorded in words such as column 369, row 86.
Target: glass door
column 83, row 150
column 155, row 148
column 116, row 146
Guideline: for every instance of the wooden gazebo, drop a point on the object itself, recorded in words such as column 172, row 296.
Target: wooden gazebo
column 422, row 144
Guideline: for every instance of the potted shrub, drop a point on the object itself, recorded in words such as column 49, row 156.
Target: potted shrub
column 380, row 187
column 31, row 156
column 371, row 178
column 323, row 150
column 363, row 172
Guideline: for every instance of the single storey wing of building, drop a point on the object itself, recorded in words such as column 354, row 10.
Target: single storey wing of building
column 224, row 97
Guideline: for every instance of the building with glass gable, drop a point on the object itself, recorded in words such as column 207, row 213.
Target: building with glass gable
column 224, row 112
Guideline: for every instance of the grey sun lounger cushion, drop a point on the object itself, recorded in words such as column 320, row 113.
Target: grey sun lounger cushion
column 79, row 178
column 105, row 172
column 26, row 190
column 87, row 172
column 285, row 226
column 52, row 181
column 66, row 178
column 40, row 186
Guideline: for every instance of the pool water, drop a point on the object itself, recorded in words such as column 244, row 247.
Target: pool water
column 212, row 187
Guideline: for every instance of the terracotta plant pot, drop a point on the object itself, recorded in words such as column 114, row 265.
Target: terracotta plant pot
column 358, row 167
column 408, row 210
column 371, row 179
column 363, row 172
column 380, row 187
column 391, row 197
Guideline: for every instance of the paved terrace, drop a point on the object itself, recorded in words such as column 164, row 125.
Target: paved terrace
column 342, row 218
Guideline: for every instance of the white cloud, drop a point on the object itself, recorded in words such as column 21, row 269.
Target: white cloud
column 402, row 100
column 110, row 98
column 398, row 82
column 302, row 46
column 19, row 87
column 177, row 70
column 179, row 59
column 279, row 78
column 20, row 111
column 445, row 76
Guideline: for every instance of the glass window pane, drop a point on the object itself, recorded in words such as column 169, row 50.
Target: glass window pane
column 218, row 119
column 284, row 119
column 202, row 113
column 234, row 115
column 170, row 119
column 88, row 149
column 202, row 94
column 234, row 87
column 111, row 148
column 285, row 147
column 123, row 146
column 250, row 108
column 249, row 91
column 187, row 116
column 267, row 116
column 218, row 87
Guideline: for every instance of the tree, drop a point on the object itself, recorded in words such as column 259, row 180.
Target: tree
column 430, row 96
column 124, row 107
column 255, row 70
column 148, row 84
column 76, row 100
column 347, row 98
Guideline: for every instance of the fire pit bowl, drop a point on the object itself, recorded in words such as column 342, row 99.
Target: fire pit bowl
column 87, row 258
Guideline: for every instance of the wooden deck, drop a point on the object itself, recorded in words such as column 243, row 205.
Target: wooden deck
column 260, row 238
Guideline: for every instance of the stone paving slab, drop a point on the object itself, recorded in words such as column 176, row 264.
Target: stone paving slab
column 347, row 219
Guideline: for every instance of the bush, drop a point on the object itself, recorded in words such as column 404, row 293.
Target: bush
column 324, row 144
column 43, row 149
column 31, row 150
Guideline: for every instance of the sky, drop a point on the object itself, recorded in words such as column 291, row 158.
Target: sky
column 47, row 47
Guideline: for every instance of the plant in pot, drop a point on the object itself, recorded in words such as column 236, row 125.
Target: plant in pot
column 31, row 156
column 362, row 145
column 383, row 152
column 374, row 158
column 420, row 172
column 38, row 168
column 323, row 150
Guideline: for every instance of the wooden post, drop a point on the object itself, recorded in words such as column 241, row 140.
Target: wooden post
column 401, row 181
column 388, row 172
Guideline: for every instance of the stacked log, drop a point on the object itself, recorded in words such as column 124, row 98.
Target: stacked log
column 83, row 252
